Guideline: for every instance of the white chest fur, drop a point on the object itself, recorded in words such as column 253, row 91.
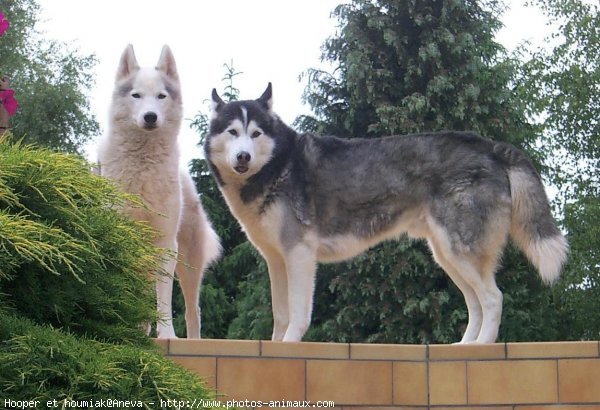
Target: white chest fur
column 263, row 228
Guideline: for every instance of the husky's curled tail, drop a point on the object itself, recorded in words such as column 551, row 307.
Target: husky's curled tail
column 532, row 226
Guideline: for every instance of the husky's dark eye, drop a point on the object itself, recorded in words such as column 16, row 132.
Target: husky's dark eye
column 233, row 132
column 136, row 95
column 256, row 134
column 162, row 96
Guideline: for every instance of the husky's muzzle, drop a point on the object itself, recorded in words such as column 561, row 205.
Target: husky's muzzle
column 243, row 161
column 150, row 120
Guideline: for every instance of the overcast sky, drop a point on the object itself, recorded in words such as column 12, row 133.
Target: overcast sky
column 268, row 40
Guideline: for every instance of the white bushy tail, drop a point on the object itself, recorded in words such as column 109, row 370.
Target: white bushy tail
column 533, row 228
column 212, row 244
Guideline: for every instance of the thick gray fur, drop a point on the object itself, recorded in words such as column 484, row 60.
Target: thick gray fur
column 463, row 193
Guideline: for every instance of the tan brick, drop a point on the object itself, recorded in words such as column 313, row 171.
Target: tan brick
column 305, row 350
column 387, row 352
column 348, row 382
column 379, row 408
column 560, row 407
column 163, row 344
column 214, row 347
column 507, row 382
column 205, row 367
column 579, row 380
column 473, row 408
column 447, row 383
column 410, row 383
column 467, row 352
column 260, row 379
column 552, row 350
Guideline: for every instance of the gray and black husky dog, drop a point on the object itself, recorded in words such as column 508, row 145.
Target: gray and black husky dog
column 304, row 199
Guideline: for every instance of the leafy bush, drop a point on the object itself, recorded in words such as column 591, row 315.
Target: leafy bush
column 46, row 364
column 67, row 257
column 76, row 285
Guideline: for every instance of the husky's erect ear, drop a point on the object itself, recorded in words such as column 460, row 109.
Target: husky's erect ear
column 166, row 63
column 266, row 99
column 216, row 103
column 128, row 64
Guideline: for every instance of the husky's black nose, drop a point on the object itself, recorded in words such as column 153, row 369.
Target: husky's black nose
column 243, row 158
column 150, row 118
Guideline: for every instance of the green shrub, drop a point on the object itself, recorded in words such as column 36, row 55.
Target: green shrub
column 67, row 257
column 46, row 364
column 76, row 284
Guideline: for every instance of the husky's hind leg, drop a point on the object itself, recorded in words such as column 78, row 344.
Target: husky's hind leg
column 468, row 231
column 198, row 247
column 482, row 281
column 473, row 306
column 189, row 272
column 480, row 278
column 473, row 272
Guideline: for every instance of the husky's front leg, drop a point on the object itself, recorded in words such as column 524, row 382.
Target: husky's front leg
column 301, row 268
column 164, row 292
column 279, row 293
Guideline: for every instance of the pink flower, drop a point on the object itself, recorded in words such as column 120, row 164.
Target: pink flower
column 7, row 99
column 4, row 24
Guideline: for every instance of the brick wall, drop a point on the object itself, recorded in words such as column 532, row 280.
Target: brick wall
column 516, row 376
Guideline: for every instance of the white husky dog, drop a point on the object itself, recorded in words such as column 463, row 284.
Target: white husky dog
column 140, row 151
